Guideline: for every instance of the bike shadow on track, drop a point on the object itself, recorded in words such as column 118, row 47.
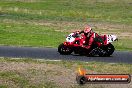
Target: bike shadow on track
column 90, row 56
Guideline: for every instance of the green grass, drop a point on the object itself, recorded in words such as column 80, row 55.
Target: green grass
column 15, row 77
column 35, row 23
column 26, row 34
column 29, row 35
column 18, row 80
column 75, row 10
column 123, row 44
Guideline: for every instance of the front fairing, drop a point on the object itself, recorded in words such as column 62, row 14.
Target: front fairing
column 72, row 40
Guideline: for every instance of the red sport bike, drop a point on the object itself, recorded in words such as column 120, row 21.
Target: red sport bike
column 100, row 47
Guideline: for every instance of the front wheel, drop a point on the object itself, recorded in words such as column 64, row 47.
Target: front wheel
column 64, row 50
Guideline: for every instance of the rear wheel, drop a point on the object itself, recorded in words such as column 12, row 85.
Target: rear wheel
column 109, row 49
column 64, row 50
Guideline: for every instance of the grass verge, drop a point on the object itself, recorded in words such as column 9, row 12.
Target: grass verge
column 45, row 23
column 21, row 73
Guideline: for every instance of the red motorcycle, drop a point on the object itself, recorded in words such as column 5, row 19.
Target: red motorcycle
column 101, row 46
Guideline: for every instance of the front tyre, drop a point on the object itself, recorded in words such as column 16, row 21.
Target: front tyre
column 64, row 50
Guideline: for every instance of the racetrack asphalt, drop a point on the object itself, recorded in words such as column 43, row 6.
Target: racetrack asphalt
column 52, row 54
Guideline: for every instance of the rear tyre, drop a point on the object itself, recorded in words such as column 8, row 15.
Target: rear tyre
column 64, row 50
column 110, row 49
column 107, row 50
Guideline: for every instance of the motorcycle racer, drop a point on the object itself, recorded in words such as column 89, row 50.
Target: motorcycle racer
column 88, row 38
column 87, row 42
